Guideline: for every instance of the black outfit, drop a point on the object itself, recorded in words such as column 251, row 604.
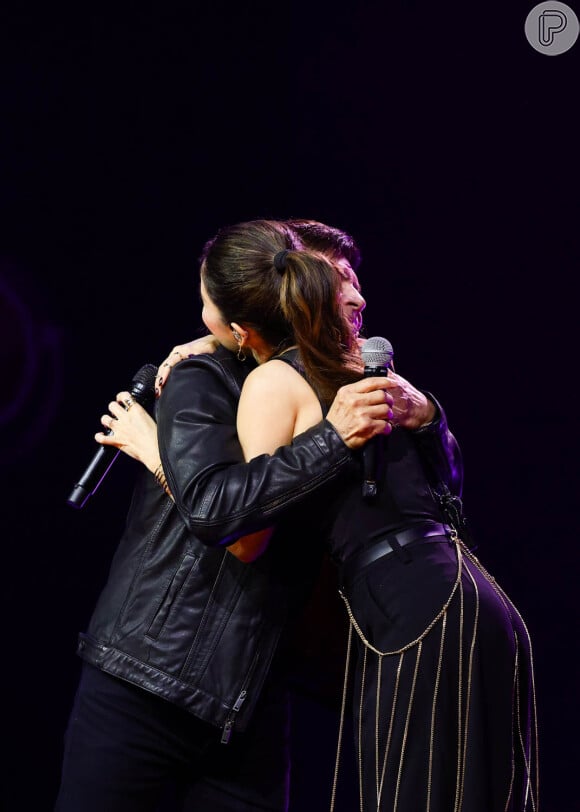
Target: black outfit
column 185, row 639
column 440, row 663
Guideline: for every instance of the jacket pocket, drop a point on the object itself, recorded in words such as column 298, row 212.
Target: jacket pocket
column 188, row 563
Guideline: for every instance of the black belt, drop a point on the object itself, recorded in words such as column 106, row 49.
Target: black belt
column 390, row 543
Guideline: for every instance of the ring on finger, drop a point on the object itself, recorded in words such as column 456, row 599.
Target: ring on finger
column 129, row 402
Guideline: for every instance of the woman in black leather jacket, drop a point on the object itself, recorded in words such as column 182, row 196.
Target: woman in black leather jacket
column 187, row 645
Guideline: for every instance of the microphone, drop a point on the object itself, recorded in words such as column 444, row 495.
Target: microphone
column 143, row 391
column 377, row 354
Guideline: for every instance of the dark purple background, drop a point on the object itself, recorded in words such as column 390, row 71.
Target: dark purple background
column 436, row 135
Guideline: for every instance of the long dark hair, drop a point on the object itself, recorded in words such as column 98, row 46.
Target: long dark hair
column 295, row 301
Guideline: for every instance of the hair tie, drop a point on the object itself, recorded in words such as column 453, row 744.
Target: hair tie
column 280, row 261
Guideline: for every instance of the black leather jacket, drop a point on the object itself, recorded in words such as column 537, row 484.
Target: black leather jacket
column 179, row 615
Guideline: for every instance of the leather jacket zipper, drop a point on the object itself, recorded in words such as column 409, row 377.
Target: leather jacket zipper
column 227, row 729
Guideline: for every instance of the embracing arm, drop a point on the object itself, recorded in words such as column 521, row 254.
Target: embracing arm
column 439, row 448
column 220, row 496
column 420, row 412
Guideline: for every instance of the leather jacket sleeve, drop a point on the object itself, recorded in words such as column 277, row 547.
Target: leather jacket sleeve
column 440, row 451
column 219, row 496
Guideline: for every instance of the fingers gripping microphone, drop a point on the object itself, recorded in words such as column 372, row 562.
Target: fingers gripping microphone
column 143, row 391
column 377, row 354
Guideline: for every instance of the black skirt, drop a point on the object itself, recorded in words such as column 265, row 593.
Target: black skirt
column 441, row 677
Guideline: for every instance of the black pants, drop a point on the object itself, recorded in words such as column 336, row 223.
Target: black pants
column 127, row 750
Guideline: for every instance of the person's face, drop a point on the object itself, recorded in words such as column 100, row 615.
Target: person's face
column 351, row 299
column 213, row 320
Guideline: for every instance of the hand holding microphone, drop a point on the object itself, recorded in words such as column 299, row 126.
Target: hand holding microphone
column 362, row 409
column 142, row 391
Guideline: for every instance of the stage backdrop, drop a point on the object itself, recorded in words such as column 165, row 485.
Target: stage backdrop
column 438, row 136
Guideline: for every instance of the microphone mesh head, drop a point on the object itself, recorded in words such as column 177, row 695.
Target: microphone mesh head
column 143, row 384
column 377, row 352
column 146, row 375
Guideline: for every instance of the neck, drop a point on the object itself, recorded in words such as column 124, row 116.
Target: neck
column 263, row 352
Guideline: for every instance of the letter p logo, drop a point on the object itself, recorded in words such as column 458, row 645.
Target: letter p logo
column 552, row 28
column 550, row 23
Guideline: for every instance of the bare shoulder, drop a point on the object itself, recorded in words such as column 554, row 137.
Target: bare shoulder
column 272, row 375
column 275, row 379
column 276, row 404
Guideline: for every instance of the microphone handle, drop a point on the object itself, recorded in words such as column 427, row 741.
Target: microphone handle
column 369, row 485
column 94, row 473
column 371, row 450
